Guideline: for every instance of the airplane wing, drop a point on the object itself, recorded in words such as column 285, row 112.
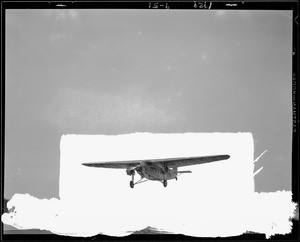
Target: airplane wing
column 188, row 161
column 169, row 162
column 114, row 164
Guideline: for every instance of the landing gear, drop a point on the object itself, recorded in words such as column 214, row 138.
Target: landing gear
column 132, row 180
column 165, row 183
column 132, row 183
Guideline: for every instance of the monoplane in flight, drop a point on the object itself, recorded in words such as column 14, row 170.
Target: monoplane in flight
column 157, row 169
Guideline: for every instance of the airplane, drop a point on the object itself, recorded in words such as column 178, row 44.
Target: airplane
column 156, row 169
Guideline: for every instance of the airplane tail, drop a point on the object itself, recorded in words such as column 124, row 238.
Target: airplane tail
column 178, row 172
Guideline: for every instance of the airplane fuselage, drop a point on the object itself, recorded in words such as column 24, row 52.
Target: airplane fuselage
column 155, row 172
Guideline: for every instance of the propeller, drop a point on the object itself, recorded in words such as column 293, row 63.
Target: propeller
column 131, row 171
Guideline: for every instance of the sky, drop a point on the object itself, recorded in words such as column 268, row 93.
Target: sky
column 123, row 71
column 216, row 200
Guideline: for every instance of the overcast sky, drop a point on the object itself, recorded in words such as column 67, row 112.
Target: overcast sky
column 123, row 71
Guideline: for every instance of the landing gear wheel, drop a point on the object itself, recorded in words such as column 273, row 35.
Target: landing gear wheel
column 131, row 184
column 165, row 183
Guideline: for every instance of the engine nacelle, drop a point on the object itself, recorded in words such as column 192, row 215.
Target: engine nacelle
column 130, row 172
